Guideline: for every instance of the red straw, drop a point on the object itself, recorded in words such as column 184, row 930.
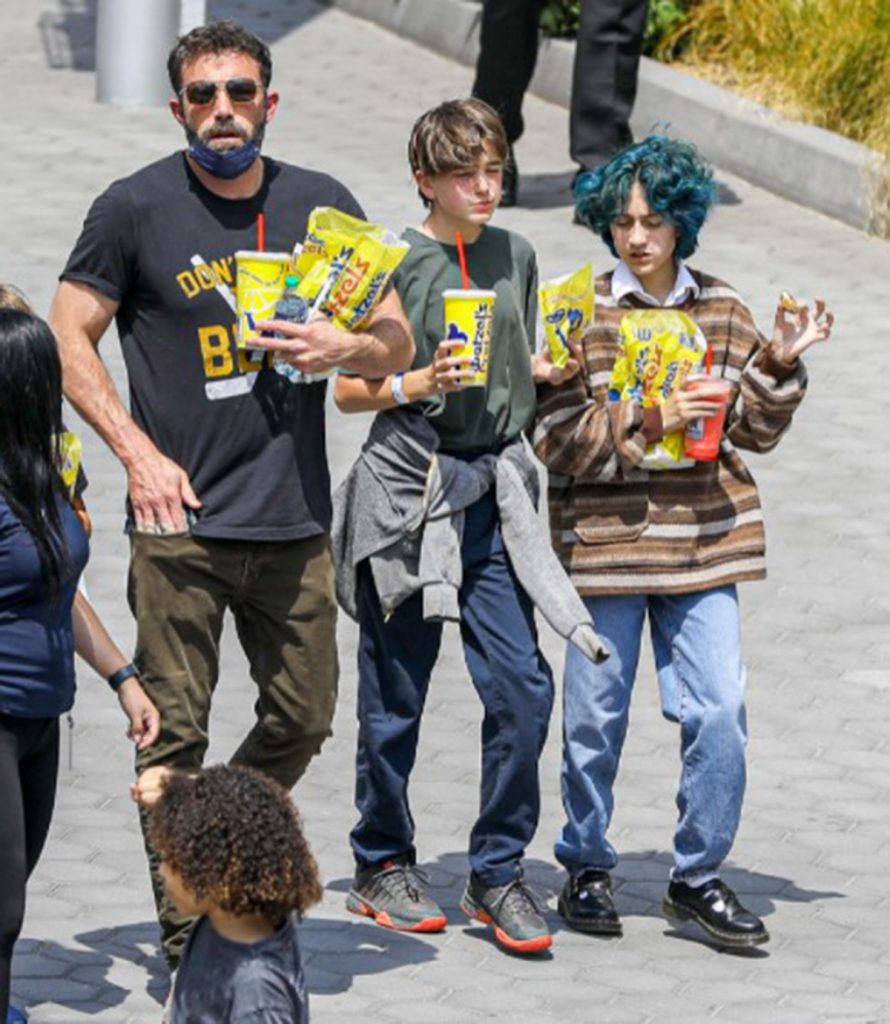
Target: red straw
column 709, row 359
column 261, row 232
column 462, row 258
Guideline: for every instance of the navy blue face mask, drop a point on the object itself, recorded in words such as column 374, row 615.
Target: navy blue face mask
column 226, row 164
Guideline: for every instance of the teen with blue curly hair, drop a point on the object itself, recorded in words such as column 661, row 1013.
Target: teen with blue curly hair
column 670, row 544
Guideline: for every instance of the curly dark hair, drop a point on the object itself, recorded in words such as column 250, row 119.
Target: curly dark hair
column 234, row 838
column 218, row 37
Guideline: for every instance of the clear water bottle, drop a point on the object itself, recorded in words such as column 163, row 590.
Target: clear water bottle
column 293, row 308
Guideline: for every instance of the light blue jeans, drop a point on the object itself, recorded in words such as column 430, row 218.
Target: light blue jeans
column 697, row 643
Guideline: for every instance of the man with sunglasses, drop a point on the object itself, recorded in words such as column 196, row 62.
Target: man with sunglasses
column 228, row 483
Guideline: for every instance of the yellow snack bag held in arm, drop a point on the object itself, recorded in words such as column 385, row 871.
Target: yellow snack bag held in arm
column 70, row 456
column 657, row 351
column 345, row 264
column 567, row 310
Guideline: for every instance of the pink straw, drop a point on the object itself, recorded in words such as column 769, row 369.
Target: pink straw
column 462, row 259
column 261, row 232
column 709, row 359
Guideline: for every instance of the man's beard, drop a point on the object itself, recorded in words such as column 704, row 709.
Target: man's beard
column 228, row 128
column 231, row 162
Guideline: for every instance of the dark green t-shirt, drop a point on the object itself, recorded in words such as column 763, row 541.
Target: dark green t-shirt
column 505, row 262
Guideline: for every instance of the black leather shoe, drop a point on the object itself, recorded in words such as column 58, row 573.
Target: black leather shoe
column 585, row 903
column 716, row 908
column 510, row 187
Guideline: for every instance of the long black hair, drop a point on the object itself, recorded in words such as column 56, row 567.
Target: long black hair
column 30, row 426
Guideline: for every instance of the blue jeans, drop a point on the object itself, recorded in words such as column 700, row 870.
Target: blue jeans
column 697, row 643
column 395, row 660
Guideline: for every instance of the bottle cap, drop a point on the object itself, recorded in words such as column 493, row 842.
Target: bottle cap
column 291, row 281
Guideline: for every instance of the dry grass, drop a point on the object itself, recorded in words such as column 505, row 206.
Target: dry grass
column 823, row 61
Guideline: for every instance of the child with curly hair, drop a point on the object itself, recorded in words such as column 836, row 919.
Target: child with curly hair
column 233, row 855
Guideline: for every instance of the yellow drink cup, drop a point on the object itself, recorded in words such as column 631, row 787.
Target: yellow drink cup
column 469, row 316
column 259, row 285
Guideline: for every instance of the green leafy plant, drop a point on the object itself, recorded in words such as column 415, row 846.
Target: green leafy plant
column 663, row 20
column 560, row 17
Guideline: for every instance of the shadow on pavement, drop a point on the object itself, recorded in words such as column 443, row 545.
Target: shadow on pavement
column 553, row 190
column 545, row 191
column 335, row 952
column 46, row 972
column 68, row 32
column 140, row 945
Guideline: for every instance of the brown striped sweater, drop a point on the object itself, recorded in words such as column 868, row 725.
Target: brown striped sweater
column 619, row 529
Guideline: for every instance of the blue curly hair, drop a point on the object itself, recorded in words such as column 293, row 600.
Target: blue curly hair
column 678, row 184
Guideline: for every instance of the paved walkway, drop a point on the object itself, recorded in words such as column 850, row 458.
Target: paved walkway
column 814, row 850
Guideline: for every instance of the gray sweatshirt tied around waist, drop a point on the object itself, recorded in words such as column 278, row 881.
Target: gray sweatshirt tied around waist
column 402, row 508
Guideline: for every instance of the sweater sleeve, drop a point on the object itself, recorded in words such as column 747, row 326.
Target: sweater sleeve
column 769, row 389
column 578, row 432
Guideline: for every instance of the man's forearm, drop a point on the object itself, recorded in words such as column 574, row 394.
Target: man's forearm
column 386, row 347
column 90, row 389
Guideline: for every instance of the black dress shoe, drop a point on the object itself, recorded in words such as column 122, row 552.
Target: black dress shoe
column 716, row 908
column 585, row 903
column 510, row 187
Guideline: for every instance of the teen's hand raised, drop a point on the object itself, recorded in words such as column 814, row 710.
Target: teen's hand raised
column 795, row 332
column 544, row 370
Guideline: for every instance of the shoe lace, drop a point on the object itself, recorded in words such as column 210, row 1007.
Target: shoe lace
column 520, row 898
column 404, row 880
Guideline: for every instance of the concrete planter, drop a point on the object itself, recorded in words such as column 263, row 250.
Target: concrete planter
column 813, row 167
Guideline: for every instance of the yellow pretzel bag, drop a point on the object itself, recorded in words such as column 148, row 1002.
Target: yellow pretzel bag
column 70, row 456
column 345, row 264
column 657, row 350
column 566, row 310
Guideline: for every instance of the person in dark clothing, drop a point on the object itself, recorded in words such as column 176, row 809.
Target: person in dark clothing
column 227, row 472
column 604, row 77
column 43, row 549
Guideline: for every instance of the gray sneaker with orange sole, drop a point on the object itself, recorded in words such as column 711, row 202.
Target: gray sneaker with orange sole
column 392, row 894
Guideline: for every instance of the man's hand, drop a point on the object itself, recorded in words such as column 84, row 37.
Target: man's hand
column 794, row 333
column 159, row 491
column 312, row 348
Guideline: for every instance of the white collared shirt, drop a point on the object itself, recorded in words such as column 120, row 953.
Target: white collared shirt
column 625, row 282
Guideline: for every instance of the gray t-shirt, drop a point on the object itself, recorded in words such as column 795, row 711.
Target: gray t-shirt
column 225, row 982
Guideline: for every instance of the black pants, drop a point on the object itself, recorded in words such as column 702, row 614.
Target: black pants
column 29, row 762
column 604, row 81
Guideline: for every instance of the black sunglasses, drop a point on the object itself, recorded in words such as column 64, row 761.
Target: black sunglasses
column 240, row 90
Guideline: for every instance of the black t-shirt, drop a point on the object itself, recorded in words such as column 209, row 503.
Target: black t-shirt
column 162, row 245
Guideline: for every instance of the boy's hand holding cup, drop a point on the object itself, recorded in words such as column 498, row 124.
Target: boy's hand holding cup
column 451, row 368
column 469, row 317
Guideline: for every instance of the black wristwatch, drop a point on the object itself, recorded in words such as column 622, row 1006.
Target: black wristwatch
column 117, row 679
